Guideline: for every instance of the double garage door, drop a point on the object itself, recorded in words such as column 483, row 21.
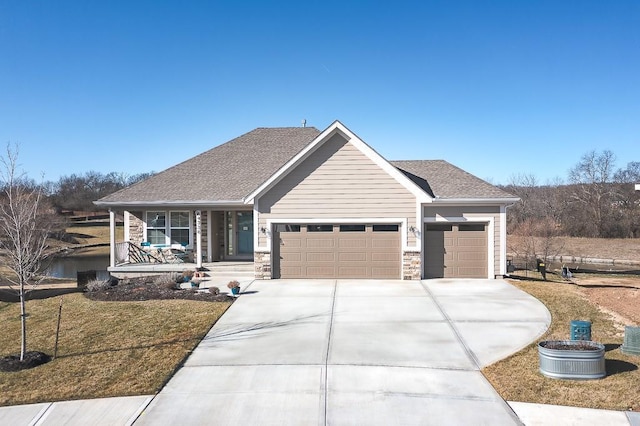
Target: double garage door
column 337, row 251
column 456, row 250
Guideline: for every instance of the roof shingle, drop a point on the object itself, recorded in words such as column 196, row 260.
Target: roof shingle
column 441, row 179
column 233, row 170
column 228, row 172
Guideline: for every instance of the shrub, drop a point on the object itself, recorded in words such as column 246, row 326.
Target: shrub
column 214, row 290
column 97, row 285
column 168, row 280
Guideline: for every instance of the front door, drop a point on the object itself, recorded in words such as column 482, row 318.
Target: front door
column 239, row 236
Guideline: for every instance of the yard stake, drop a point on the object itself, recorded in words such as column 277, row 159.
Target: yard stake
column 55, row 349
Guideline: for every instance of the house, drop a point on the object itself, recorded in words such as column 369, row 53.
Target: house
column 300, row 202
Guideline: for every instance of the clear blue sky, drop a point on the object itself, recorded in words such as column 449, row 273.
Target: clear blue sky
column 495, row 87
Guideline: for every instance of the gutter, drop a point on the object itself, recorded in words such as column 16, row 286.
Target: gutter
column 511, row 200
column 164, row 203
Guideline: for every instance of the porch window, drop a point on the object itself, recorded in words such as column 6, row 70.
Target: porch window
column 156, row 227
column 176, row 230
column 179, row 228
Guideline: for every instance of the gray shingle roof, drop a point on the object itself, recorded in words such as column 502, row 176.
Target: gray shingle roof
column 228, row 172
column 441, row 179
column 233, row 170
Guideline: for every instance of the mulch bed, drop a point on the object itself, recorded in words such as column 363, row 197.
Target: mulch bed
column 144, row 288
column 31, row 359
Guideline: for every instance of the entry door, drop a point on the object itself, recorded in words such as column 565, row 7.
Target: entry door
column 245, row 233
column 239, row 236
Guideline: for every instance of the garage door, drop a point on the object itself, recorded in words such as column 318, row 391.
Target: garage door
column 456, row 251
column 337, row 251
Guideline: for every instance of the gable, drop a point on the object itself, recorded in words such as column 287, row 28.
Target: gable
column 338, row 128
column 338, row 180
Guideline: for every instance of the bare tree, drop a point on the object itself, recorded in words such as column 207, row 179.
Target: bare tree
column 592, row 187
column 24, row 231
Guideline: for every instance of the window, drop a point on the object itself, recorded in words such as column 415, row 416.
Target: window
column 280, row 227
column 471, row 227
column 441, row 228
column 352, row 228
column 156, row 227
column 319, row 228
column 385, row 228
column 177, row 230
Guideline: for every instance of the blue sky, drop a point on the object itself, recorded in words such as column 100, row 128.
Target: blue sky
column 495, row 87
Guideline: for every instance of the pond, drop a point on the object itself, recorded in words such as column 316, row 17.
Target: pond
column 68, row 267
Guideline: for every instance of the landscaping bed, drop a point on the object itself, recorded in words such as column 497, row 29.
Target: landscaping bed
column 146, row 288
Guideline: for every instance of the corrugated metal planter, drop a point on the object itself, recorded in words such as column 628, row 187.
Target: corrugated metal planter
column 572, row 359
column 631, row 343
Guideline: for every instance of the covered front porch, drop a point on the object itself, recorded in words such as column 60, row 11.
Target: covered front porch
column 172, row 239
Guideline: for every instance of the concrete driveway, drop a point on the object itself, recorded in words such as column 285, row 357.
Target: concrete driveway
column 353, row 352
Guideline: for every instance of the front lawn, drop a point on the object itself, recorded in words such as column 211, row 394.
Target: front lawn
column 105, row 348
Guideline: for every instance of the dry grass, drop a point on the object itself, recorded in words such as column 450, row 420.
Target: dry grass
column 105, row 349
column 596, row 248
column 517, row 378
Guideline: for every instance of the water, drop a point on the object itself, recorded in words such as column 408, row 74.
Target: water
column 68, row 267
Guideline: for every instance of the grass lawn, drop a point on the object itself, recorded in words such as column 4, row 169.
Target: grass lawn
column 105, row 348
column 517, row 378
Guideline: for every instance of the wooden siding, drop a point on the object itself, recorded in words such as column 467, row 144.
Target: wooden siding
column 471, row 212
column 337, row 181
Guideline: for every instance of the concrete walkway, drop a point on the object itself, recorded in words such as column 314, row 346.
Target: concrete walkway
column 343, row 352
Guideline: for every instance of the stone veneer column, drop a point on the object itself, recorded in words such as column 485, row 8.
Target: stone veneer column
column 411, row 265
column 262, row 265
column 136, row 231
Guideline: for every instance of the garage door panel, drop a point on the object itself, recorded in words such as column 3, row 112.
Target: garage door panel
column 384, row 243
column 329, row 257
column 328, row 243
column 352, row 243
column 339, row 254
column 464, row 242
column 291, row 271
column 294, row 256
column 391, row 271
column 471, row 257
column 291, row 244
column 318, row 271
column 352, row 271
column 352, row 257
column 385, row 257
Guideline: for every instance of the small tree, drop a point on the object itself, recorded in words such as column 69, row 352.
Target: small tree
column 24, row 229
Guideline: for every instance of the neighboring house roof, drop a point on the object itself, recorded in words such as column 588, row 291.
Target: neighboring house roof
column 443, row 180
column 229, row 173
column 226, row 173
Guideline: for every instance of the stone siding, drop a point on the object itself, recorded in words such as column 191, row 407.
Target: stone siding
column 262, row 265
column 136, row 231
column 411, row 265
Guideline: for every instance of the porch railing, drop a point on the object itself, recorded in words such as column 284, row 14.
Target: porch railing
column 128, row 252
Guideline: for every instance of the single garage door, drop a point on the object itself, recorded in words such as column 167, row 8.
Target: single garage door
column 337, row 251
column 456, row 250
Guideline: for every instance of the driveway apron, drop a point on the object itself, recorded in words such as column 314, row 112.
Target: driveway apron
column 353, row 352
